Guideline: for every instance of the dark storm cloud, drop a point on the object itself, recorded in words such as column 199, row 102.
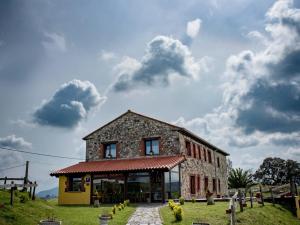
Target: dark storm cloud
column 164, row 56
column 69, row 105
column 272, row 103
column 21, row 38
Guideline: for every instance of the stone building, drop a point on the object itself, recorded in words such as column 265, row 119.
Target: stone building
column 145, row 160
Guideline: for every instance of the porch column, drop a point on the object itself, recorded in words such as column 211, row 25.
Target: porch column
column 163, row 187
column 125, row 185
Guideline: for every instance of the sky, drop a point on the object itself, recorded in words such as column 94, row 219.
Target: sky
column 228, row 72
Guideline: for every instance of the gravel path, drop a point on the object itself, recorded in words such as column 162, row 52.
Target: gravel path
column 146, row 215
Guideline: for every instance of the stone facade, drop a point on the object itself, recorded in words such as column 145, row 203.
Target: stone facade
column 129, row 132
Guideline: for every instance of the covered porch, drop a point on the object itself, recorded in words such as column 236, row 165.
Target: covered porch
column 147, row 179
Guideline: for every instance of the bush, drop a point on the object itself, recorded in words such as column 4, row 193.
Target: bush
column 193, row 200
column 181, row 201
column 120, row 207
column 171, row 204
column 111, row 214
column 24, row 198
column 178, row 213
column 113, row 210
column 126, row 202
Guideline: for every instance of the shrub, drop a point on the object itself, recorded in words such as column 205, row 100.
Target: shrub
column 171, row 204
column 111, row 215
column 181, row 201
column 120, row 207
column 193, row 200
column 113, row 210
column 126, row 202
column 24, row 198
column 178, row 213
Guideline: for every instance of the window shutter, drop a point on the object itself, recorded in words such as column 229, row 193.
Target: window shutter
column 118, row 149
column 67, row 184
column 142, row 147
column 101, row 151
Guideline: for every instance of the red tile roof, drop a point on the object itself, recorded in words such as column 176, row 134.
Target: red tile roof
column 122, row 165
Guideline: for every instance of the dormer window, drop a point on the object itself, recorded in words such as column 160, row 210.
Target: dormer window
column 110, row 151
column 152, row 146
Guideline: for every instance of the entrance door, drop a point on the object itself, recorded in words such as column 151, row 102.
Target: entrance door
column 156, row 186
column 138, row 187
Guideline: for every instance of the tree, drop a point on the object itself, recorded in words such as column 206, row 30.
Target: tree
column 239, row 178
column 277, row 171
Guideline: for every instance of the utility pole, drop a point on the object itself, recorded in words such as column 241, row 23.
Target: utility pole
column 26, row 174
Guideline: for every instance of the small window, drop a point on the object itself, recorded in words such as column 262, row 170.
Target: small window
column 192, row 185
column 204, row 151
column 188, row 148
column 152, row 147
column 194, row 150
column 75, row 184
column 214, row 185
column 209, row 156
column 218, row 162
column 110, row 151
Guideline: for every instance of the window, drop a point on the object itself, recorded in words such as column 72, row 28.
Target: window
column 192, row 185
column 75, row 184
column 219, row 184
column 198, row 183
column 188, row 148
column 204, row 151
column 214, row 185
column 209, row 156
column 218, row 162
column 199, row 152
column 152, row 147
column 194, row 151
column 110, row 151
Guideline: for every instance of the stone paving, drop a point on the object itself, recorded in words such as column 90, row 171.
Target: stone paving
column 146, row 215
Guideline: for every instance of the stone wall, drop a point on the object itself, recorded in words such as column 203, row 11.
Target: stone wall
column 129, row 131
column 194, row 166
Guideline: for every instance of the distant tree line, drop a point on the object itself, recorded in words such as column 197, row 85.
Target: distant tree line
column 273, row 171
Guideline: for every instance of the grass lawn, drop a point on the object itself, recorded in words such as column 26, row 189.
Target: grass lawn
column 215, row 215
column 31, row 212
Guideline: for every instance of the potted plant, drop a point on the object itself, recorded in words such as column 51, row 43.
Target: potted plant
column 104, row 218
column 209, row 197
column 50, row 221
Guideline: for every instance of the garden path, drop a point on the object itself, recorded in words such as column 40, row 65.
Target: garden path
column 146, row 215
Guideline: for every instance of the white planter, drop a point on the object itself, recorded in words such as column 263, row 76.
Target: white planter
column 46, row 222
column 103, row 220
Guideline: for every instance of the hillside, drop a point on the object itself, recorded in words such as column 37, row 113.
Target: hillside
column 31, row 212
column 50, row 193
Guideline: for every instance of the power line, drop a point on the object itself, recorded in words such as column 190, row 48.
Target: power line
column 8, row 168
column 41, row 154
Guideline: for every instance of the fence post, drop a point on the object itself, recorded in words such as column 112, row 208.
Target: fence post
column 12, row 188
column 272, row 195
column 5, row 178
column 232, row 221
column 33, row 193
column 240, row 200
column 261, row 195
column 251, row 198
column 30, row 190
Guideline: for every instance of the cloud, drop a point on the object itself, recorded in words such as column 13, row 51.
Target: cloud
column 69, row 105
column 14, row 142
column 54, row 42
column 193, row 28
column 165, row 58
column 7, row 159
column 106, row 55
column 261, row 93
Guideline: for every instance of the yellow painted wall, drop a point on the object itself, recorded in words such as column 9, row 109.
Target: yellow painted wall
column 73, row 198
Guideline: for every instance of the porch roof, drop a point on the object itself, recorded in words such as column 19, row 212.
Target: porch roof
column 123, row 165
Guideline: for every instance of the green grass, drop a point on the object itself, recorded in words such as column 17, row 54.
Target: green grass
column 215, row 215
column 31, row 212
